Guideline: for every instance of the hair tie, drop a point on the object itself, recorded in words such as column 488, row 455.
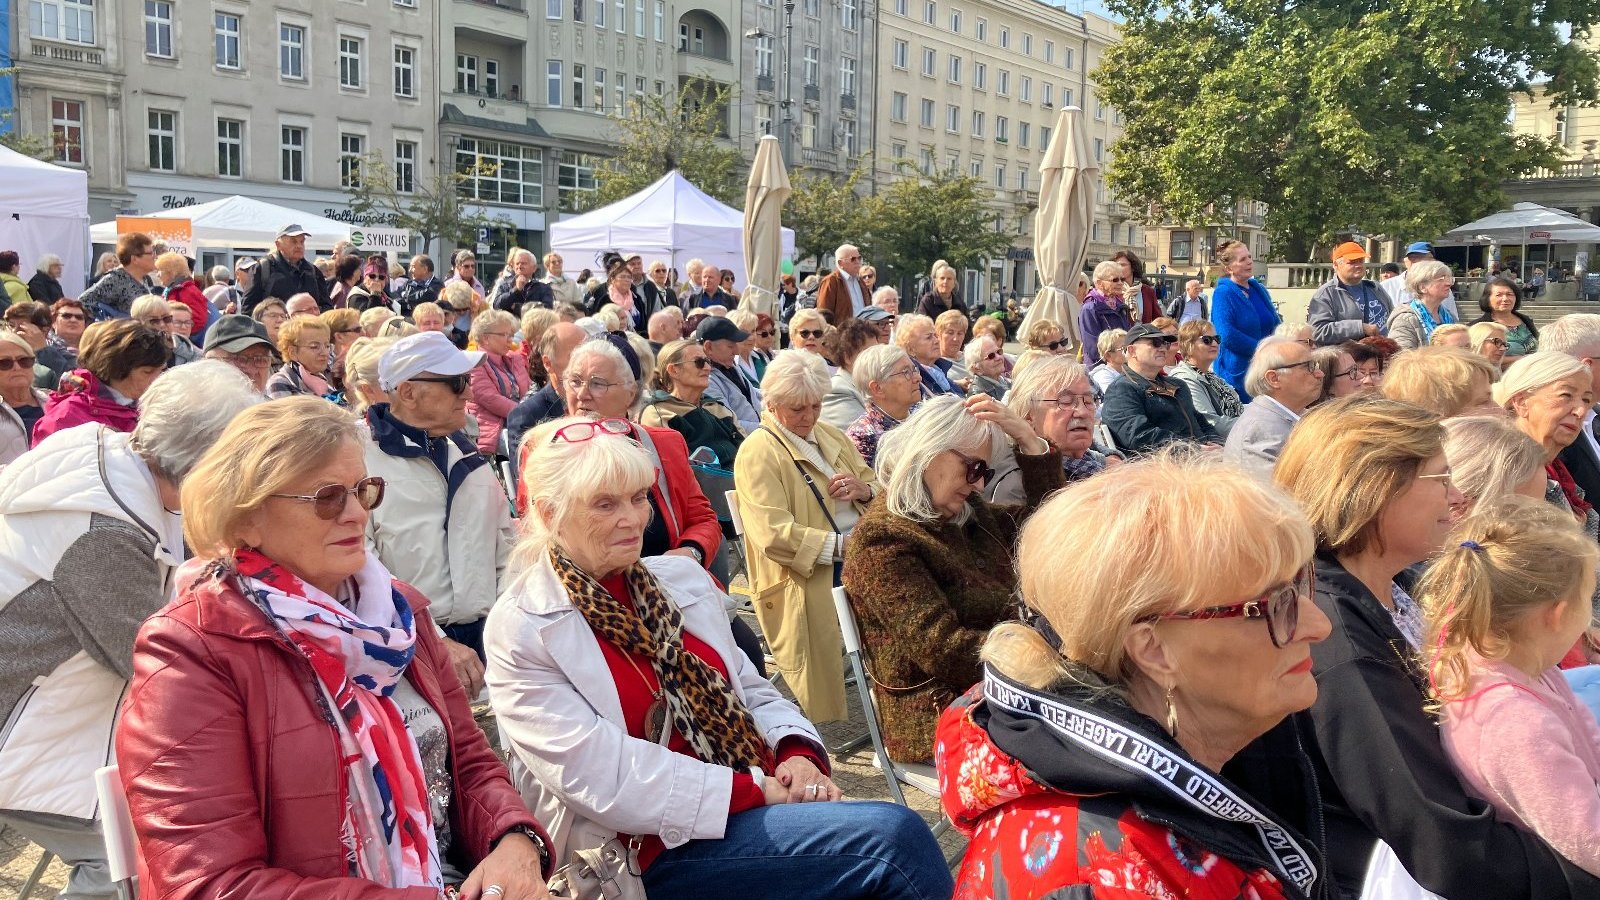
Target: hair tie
column 1474, row 546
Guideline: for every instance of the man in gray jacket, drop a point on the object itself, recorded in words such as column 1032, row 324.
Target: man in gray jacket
column 1283, row 381
column 1350, row 306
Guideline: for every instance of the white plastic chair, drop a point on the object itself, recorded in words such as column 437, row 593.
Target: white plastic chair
column 116, row 826
column 922, row 777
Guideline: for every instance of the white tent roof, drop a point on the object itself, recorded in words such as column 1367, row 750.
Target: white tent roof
column 240, row 222
column 1518, row 225
column 44, row 208
column 671, row 220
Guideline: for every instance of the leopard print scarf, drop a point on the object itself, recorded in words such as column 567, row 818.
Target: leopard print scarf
column 703, row 706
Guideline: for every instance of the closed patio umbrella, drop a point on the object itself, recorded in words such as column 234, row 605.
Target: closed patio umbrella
column 763, row 245
column 1069, row 179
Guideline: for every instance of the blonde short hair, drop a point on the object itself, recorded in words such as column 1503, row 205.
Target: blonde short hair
column 172, row 264
column 1348, row 458
column 1165, row 506
column 807, row 318
column 1039, row 334
column 148, row 305
column 489, row 319
column 671, row 355
column 989, row 325
column 949, row 321
column 1489, row 456
column 375, row 316
column 398, row 327
column 1445, row 331
column 1111, row 339
column 341, row 319
column 536, row 320
column 289, row 332
column 1482, row 331
column 906, row 325
column 557, row 477
column 1439, row 379
column 457, row 295
column 361, row 367
column 743, row 319
column 1532, row 372
column 429, row 308
column 794, row 377
column 263, row 450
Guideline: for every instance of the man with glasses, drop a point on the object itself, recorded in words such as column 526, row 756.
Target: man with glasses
column 720, row 339
column 445, row 525
column 1146, row 409
column 1283, row 380
column 113, row 295
column 1349, row 306
column 841, row 294
column 1103, row 309
column 241, row 342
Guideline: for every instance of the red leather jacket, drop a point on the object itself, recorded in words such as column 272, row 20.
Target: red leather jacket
column 232, row 772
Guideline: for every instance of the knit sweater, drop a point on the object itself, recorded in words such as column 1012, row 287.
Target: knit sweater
column 926, row 595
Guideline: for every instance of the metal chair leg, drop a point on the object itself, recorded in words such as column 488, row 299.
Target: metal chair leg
column 45, row 859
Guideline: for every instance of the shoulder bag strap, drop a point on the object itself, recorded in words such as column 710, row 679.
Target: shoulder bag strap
column 821, row 503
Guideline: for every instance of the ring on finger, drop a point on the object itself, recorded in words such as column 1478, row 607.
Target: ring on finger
column 493, row 890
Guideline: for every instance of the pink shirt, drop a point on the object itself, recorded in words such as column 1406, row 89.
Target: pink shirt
column 1532, row 750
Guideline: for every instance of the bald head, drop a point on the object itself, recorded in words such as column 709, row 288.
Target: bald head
column 666, row 326
column 556, row 347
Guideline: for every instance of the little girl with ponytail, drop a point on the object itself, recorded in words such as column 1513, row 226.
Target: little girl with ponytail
column 1505, row 602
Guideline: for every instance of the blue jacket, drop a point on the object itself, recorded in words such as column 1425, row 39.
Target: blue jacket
column 1242, row 319
column 536, row 408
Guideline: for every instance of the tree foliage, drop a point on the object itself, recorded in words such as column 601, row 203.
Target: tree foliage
column 1377, row 116
column 825, row 211
column 687, row 132
column 948, row 216
column 434, row 208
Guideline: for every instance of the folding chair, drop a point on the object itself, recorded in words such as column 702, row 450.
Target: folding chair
column 508, row 472
column 922, row 777
column 45, row 859
column 735, row 542
column 122, row 854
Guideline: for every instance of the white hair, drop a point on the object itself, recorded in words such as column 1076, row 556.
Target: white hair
column 1533, row 372
column 1044, row 379
column 973, row 353
column 794, row 377
column 909, row 324
column 48, row 260
column 603, row 348
column 807, row 317
column 883, row 292
column 743, row 318
column 558, row 477
column 904, row 453
column 845, row 248
column 1272, row 353
column 488, row 319
column 1423, row 273
column 874, row 364
column 148, row 305
column 1106, row 270
column 1575, row 334
column 185, row 411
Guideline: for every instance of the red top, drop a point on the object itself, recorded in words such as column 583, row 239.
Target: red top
column 636, row 691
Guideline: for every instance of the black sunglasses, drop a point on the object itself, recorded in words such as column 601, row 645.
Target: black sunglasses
column 328, row 502
column 1210, row 340
column 978, row 471
column 763, row 334
column 456, row 383
column 699, row 362
column 1053, row 346
column 808, row 333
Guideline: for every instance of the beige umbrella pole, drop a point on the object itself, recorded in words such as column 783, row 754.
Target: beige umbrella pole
column 764, row 197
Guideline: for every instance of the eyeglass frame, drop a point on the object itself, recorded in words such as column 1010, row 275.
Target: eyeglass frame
column 977, row 469
column 324, row 501
column 608, row 425
column 1300, row 587
column 1073, row 402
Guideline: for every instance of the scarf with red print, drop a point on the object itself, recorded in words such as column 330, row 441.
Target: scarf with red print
column 359, row 650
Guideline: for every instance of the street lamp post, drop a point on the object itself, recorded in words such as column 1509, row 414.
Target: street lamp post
column 785, row 96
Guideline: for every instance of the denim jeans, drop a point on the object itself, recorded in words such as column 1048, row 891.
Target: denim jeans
column 808, row 851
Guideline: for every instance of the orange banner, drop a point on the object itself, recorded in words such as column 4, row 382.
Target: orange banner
column 177, row 234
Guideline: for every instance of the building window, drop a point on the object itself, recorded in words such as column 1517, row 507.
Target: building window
column 926, row 162
column 158, row 28
column 847, row 129
column 1002, row 130
column 813, row 65
column 952, row 163
column 897, row 107
column 930, row 12
column 1049, row 51
column 999, row 176
column 1022, row 135
column 1047, row 95
column 927, row 113
column 351, row 146
column 350, row 62
column 977, row 123
column 901, row 52
column 1099, row 109
column 552, row 9
column 1003, row 83
column 1025, row 89
column 638, row 18
column 809, row 129
column 1094, row 232
column 292, row 154
column 619, row 90
column 1022, row 178
column 764, row 56
column 1005, row 39
column 163, row 133
column 763, row 117
column 66, row 131
column 574, row 179
column 600, row 14
column 900, row 8
column 511, row 174
column 980, row 76
column 1066, row 96
column 405, row 166
column 813, row 9
column 847, row 76
column 292, row 52
column 577, row 10
column 897, row 152
column 955, row 70
column 1099, row 149
column 491, row 77
column 230, row 148
column 661, row 88
column 408, row 4
column 981, row 30
column 955, row 21
column 1044, row 136
column 552, row 83
column 405, row 72
column 599, row 92
column 61, row 20
column 1182, row 244
column 849, row 17
column 952, row 119
column 930, row 59
column 577, row 86
column 661, row 20
column 622, row 16
column 226, row 27
column 975, row 168
column 1027, row 44
column 1066, row 57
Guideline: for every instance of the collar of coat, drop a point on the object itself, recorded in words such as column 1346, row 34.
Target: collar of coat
column 399, row 439
column 1161, row 385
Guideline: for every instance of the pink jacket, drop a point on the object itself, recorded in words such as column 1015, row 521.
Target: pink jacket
column 497, row 385
column 1532, row 750
column 82, row 399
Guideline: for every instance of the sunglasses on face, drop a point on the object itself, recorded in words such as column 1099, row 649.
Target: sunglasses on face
column 977, row 471
column 16, row 362
column 1162, row 341
column 1496, row 342
column 699, row 362
column 1280, row 606
column 1053, row 346
column 1210, row 340
column 456, row 383
column 328, row 502
column 809, row 334
column 991, row 356
column 763, row 334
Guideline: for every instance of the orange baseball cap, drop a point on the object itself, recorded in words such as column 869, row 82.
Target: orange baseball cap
column 1349, row 250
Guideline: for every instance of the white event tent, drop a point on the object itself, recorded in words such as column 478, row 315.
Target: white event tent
column 671, row 220
column 44, row 208
column 241, row 222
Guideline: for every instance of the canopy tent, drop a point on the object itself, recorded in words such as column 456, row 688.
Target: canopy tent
column 1524, row 223
column 241, row 222
column 670, row 220
column 44, row 209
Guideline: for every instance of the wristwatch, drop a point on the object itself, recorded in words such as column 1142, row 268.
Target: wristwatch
column 532, row 835
column 699, row 555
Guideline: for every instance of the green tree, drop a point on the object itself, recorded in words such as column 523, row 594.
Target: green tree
column 1376, row 116
column 919, row 219
column 686, row 131
column 825, row 211
column 433, row 207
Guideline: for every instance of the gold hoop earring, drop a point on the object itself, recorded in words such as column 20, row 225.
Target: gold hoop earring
column 1172, row 715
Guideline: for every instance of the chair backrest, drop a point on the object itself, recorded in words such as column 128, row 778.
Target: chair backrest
column 122, row 853
column 847, row 621
column 733, row 512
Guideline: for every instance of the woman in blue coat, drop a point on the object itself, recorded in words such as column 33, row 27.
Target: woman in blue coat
column 1242, row 311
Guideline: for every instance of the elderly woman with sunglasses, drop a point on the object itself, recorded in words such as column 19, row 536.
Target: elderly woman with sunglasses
column 679, row 401
column 1214, row 399
column 1372, row 478
column 21, row 404
column 294, row 670
column 807, row 329
column 1103, row 309
column 636, row 724
column 929, row 570
column 1105, row 717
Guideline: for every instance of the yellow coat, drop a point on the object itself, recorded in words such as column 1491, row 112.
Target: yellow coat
column 784, row 530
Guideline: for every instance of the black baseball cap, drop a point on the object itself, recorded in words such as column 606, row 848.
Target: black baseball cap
column 1144, row 331
column 719, row 328
column 235, row 334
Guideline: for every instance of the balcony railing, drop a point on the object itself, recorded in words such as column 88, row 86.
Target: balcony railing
column 1581, row 168
column 1298, row 275
column 704, row 54
column 764, row 83
column 812, row 92
column 508, row 5
column 59, row 53
column 847, row 101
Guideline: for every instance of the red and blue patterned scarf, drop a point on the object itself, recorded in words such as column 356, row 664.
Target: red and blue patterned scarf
column 359, row 650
